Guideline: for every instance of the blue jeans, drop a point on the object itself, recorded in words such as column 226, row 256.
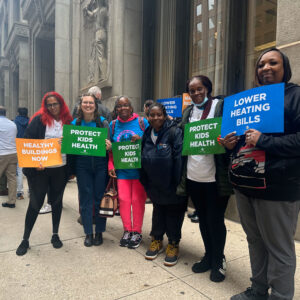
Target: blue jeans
column 92, row 179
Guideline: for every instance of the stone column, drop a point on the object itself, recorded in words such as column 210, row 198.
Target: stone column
column 132, row 76
column 117, row 36
column 126, row 53
column 288, row 35
column 23, row 73
column 6, row 87
column 62, row 48
column 75, row 35
column 165, row 49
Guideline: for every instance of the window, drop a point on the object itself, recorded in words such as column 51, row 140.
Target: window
column 208, row 33
column 199, row 9
column 211, row 23
column 261, row 33
column 199, row 27
column 211, row 4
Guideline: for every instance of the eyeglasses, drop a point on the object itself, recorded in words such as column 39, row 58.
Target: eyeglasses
column 52, row 105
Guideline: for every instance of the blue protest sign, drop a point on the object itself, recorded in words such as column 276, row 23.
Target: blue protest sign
column 261, row 108
column 173, row 106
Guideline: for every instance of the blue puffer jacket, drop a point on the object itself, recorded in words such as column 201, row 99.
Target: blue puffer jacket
column 162, row 164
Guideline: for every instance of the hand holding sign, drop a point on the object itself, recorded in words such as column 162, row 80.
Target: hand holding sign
column 40, row 168
column 108, row 144
column 230, row 140
column 135, row 138
column 252, row 136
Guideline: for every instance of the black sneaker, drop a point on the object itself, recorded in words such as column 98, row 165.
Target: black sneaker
column 219, row 271
column 56, row 242
column 172, row 254
column 202, row 266
column 135, row 240
column 155, row 248
column 22, row 249
column 250, row 294
column 125, row 239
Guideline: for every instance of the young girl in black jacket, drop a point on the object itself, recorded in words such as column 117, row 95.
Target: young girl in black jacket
column 160, row 175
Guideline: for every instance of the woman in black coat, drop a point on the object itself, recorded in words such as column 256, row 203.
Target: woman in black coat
column 160, row 175
column 265, row 173
column 45, row 124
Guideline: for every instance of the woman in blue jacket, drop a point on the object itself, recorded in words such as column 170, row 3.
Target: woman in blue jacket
column 160, row 175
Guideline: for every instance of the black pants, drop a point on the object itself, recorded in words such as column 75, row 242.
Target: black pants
column 168, row 219
column 210, row 209
column 53, row 181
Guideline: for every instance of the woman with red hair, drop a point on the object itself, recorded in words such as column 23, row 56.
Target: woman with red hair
column 45, row 124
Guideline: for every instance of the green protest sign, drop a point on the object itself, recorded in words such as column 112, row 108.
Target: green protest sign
column 201, row 137
column 82, row 140
column 127, row 155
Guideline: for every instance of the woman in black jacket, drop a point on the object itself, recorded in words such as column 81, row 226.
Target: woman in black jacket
column 45, row 124
column 160, row 175
column 266, row 175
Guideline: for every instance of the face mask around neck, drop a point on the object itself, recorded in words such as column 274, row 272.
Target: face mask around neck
column 200, row 105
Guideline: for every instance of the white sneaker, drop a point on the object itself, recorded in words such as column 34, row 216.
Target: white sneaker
column 46, row 209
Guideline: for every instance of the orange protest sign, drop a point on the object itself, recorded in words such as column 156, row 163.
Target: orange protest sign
column 186, row 101
column 33, row 153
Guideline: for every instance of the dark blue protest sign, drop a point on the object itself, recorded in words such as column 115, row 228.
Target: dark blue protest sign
column 261, row 108
column 173, row 106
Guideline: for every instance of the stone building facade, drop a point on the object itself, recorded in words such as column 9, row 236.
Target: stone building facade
column 69, row 46
column 139, row 48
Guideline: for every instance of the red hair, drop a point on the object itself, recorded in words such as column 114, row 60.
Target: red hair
column 46, row 117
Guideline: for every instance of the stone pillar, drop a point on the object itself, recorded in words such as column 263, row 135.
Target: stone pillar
column 126, row 53
column 288, row 35
column 23, row 73
column 6, row 87
column 288, row 40
column 132, row 76
column 75, row 35
column 165, row 49
column 117, row 36
column 62, row 48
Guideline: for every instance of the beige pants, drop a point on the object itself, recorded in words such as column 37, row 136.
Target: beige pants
column 8, row 166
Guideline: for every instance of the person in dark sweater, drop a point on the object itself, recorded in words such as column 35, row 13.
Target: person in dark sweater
column 267, row 187
column 160, row 175
column 21, row 121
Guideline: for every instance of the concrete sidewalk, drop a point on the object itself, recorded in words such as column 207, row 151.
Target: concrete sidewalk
column 109, row 271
